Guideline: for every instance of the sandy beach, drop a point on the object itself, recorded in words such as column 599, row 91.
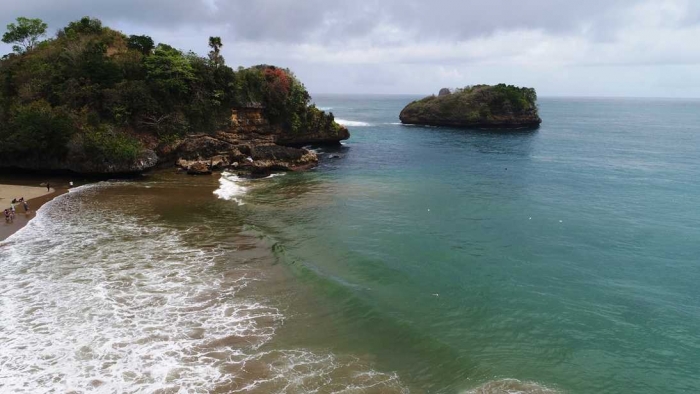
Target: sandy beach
column 36, row 196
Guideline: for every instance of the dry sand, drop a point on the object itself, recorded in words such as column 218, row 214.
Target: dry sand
column 35, row 196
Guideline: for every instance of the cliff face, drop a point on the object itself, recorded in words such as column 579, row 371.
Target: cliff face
column 251, row 121
column 482, row 106
column 250, row 145
column 79, row 161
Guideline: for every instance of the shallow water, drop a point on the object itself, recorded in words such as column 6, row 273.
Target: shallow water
column 413, row 259
column 138, row 287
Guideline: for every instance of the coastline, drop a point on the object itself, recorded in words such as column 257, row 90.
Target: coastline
column 24, row 187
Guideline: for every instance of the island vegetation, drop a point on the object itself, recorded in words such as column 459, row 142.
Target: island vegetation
column 94, row 94
column 481, row 106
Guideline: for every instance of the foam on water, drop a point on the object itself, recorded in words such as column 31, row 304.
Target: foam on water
column 94, row 299
column 352, row 123
column 231, row 188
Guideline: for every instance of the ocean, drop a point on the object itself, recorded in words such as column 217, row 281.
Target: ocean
column 413, row 259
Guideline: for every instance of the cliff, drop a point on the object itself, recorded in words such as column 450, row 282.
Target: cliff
column 94, row 100
column 481, row 106
column 251, row 144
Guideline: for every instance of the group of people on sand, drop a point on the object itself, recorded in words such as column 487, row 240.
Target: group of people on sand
column 10, row 212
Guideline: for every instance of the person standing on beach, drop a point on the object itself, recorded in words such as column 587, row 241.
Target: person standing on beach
column 48, row 187
column 26, row 206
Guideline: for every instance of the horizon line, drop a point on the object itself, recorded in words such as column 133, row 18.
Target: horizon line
column 538, row 96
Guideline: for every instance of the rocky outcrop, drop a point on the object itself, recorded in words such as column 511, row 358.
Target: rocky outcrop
column 481, row 106
column 198, row 168
column 77, row 161
column 250, row 145
column 444, row 92
column 330, row 134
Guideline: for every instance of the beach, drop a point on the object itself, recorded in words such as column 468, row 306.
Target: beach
column 36, row 196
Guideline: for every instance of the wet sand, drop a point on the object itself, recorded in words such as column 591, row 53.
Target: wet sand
column 36, row 196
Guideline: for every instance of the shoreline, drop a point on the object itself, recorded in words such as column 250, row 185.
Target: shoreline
column 22, row 188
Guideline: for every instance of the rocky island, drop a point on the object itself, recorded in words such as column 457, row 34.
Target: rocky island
column 480, row 106
column 93, row 100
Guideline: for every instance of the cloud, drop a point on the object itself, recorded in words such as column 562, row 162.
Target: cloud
column 417, row 46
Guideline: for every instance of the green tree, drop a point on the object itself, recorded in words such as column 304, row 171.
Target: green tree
column 25, row 34
column 85, row 25
column 215, row 53
column 143, row 44
column 169, row 69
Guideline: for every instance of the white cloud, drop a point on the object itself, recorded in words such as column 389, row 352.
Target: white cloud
column 647, row 48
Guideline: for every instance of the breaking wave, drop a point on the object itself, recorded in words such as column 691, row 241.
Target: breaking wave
column 96, row 299
column 352, row 123
column 231, row 188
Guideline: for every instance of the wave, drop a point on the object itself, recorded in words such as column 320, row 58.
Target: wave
column 352, row 123
column 325, row 108
column 231, row 188
column 97, row 296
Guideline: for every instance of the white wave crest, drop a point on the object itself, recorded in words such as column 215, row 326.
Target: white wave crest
column 99, row 297
column 351, row 123
column 231, row 188
column 95, row 300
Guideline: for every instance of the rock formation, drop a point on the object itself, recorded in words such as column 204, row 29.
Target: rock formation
column 481, row 106
column 250, row 145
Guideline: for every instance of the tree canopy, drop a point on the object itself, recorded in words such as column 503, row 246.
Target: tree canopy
column 95, row 87
column 25, row 34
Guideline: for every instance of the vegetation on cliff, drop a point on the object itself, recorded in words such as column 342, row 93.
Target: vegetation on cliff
column 499, row 106
column 91, row 91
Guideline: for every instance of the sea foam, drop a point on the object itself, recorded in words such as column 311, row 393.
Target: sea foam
column 231, row 188
column 96, row 298
column 352, row 123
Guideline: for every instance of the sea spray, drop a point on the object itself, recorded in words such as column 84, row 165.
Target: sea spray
column 231, row 188
column 352, row 123
column 98, row 294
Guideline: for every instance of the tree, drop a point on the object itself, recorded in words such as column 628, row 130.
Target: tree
column 170, row 69
column 143, row 44
column 26, row 34
column 215, row 54
column 85, row 25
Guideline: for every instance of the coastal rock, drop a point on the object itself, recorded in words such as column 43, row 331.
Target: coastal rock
column 481, row 106
column 444, row 92
column 251, row 144
column 218, row 162
column 79, row 162
column 325, row 135
column 198, row 168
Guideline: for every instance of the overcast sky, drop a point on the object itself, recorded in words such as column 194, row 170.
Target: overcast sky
column 560, row 47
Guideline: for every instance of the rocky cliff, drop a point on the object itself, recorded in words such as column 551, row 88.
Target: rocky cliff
column 481, row 106
column 251, row 145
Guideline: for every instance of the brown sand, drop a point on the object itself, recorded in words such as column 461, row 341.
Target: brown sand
column 36, row 196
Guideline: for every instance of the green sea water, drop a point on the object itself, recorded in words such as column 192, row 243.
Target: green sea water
column 413, row 259
column 566, row 256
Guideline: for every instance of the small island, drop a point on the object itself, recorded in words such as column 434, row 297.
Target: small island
column 93, row 100
column 480, row 106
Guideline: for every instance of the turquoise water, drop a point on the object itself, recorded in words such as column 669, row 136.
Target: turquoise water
column 566, row 256
column 413, row 259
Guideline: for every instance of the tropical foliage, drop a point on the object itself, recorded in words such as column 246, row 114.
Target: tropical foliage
column 106, row 91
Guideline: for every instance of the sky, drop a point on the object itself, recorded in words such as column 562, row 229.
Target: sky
column 560, row 47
